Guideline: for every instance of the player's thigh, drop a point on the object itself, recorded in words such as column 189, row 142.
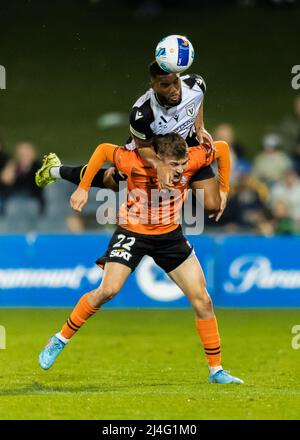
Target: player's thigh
column 190, row 278
column 114, row 277
column 171, row 251
column 210, row 187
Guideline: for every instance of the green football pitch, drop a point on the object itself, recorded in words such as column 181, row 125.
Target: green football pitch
column 148, row 364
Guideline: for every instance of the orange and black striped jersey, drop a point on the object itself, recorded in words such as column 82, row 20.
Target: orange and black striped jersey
column 148, row 210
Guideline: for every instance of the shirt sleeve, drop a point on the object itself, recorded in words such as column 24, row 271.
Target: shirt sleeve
column 222, row 155
column 103, row 153
column 197, row 158
column 124, row 160
column 141, row 119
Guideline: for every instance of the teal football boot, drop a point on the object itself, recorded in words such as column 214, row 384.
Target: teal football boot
column 223, row 376
column 50, row 352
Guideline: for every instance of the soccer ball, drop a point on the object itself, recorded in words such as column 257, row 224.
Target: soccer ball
column 174, row 54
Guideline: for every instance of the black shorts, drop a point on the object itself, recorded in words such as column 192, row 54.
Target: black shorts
column 203, row 173
column 167, row 250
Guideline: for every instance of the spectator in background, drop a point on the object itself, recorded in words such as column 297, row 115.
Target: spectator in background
column 226, row 132
column 272, row 164
column 239, row 163
column 288, row 191
column 246, row 205
column 282, row 220
column 18, row 174
column 290, row 128
column 296, row 156
column 4, row 159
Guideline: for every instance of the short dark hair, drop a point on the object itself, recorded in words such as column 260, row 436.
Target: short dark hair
column 171, row 144
column 155, row 70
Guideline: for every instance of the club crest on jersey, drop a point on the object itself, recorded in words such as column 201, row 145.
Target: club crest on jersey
column 190, row 109
column 183, row 180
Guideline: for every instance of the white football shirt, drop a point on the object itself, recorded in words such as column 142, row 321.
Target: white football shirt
column 149, row 118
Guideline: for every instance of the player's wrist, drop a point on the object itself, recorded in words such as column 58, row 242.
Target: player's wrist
column 84, row 187
column 224, row 190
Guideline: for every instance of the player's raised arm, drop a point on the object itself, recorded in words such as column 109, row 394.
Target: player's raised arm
column 203, row 136
column 222, row 155
column 103, row 153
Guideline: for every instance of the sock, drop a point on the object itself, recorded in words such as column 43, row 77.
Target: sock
column 75, row 174
column 72, row 174
column 54, row 172
column 81, row 313
column 214, row 370
column 61, row 338
column 209, row 335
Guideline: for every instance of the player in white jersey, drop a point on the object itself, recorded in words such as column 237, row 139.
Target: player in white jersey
column 172, row 104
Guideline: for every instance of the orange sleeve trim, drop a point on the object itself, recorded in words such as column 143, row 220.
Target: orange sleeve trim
column 103, row 153
column 222, row 154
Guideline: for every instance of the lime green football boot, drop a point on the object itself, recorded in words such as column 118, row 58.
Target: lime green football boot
column 43, row 176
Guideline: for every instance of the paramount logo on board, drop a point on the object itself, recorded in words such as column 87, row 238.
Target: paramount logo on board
column 251, row 271
column 51, row 278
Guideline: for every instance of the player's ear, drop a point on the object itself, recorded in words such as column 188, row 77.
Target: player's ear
column 152, row 82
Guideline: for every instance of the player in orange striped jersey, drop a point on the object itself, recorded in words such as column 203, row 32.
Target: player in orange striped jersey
column 163, row 241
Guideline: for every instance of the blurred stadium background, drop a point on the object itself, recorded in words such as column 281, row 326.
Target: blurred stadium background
column 73, row 71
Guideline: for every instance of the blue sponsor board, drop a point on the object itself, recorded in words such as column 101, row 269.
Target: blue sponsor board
column 55, row 270
column 258, row 272
column 241, row 271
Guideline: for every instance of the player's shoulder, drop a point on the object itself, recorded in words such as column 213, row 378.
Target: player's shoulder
column 126, row 156
column 141, row 117
column 126, row 159
column 143, row 104
column 194, row 81
column 197, row 156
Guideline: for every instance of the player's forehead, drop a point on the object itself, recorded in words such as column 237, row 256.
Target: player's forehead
column 174, row 159
column 167, row 79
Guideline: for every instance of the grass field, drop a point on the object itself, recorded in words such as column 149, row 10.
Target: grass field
column 147, row 364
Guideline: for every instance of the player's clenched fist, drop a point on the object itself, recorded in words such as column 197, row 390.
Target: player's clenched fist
column 78, row 199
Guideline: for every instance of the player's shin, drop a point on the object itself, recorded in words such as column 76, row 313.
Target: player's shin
column 75, row 174
column 210, row 339
column 81, row 313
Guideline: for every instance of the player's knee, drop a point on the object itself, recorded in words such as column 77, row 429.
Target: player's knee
column 203, row 305
column 105, row 293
